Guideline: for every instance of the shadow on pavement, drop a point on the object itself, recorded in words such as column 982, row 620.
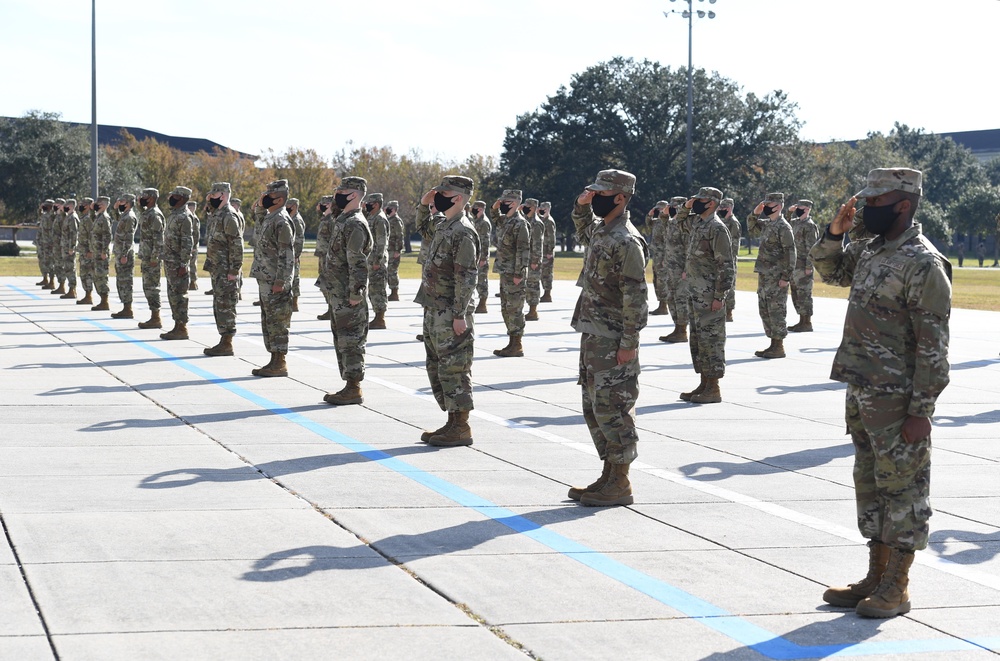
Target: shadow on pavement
column 140, row 423
column 720, row 470
column 987, row 546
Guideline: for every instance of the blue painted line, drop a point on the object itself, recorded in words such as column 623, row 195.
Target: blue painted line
column 742, row 631
column 25, row 293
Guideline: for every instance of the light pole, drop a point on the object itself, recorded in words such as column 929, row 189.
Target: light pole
column 93, row 99
column 689, row 15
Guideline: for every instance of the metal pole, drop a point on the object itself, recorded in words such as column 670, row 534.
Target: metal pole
column 93, row 99
column 690, row 122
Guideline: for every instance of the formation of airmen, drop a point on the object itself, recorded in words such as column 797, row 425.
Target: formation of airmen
column 893, row 356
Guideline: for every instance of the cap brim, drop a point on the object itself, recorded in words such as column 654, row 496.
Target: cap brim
column 872, row 192
column 600, row 187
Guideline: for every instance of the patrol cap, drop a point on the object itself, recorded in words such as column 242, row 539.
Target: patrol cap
column 59, row 200
column 727, row 203
column 183, row 191
column 804, row 203
column 375, row 197
column 278, row 186
column 678, row 201
column 221, row 187
column 354, row 183
column 48, row 201
column 614, row 180
column 293, row 200
column 661, row 204
column 708, row 193
column 545, row 205
column 392, row 204
column 531, row 202
column 70, row 202
column 326, row 199
column 883, row 180
column 236, row 201
column 105, row 199
column 128, row 197
column 511, row 194
column 774, row 198
column 192, row 203
column 88, row 200
column 150, row 192
column 456, row 184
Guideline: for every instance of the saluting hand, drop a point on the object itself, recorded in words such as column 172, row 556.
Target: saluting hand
column 844, row 220
column 585, row 198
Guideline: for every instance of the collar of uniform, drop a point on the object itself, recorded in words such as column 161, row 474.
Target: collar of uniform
column 622, row 218
column 353, row 212
column 910, row 232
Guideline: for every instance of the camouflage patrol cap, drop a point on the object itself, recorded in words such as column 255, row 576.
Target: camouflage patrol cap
column 392, row 204
column 326, row 199
column 293, row 200
column 48, row 201
column 87, row 200
column 511, row 194
column 183, row 191
column 192, row 203
column 545, row 205
column 804, row 203
column 128, row 197
column 375, row 198
column 70, row 202
column 105, row 199
column 531, row 202
column 60, row 200
column 278, row 186
column 478, row 203
column 614, row 180
column 708, row 193
column 774, row 198
column 456, row 184
column 221, row 187
column 235, row 200
column 150, row 192
column 661, row 204
column 883, row 180
column 354, row 183
column 678, row 201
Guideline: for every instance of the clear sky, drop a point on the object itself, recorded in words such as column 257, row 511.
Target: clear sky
column 320, row 73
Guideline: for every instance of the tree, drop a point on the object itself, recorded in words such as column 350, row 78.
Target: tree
column 975, row 211
column 41, row 157
column 309, row 176
column 949, row 169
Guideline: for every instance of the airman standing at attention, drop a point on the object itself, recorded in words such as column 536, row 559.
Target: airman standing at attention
column 86, row 209
column 395, row 247
column 124, row 252
column 150, row 250
column 178, row 244
column 192, row 208
column 55, row 252
column 610, row 313
column 805, row 233
column 774, row 266
column 292, row 207
column 656, row 218
column 483, row 228
column 732, row 223
column 548, row 250
column 69, row 239
column 224, row 261
column 513, row 255
column 675, row 247
column 99, row 249
column 345, row 279
column 378, row 260
column 41, row 241
column 536, row 226
column 273, row 267
column 327, row 215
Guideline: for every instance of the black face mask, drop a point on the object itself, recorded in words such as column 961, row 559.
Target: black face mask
column 505, row 208
column 267, row 201
column 323, row 208
column 369, row 207
column 80, row 208
column 723, row 212
column 173, row 201
column 879, row 220
column 800, row 212
column 672, row 212
column 698, row 207
column 656, row 213
column 340, row 199
column 442, row 203
column 46, row 208
column 216, row 202
column 143, row 203
column 67, row 209
column 603, row 205
column 121, row 208
column 541, row 212
column 289, row 210
column 389, row 212
column 768, row 210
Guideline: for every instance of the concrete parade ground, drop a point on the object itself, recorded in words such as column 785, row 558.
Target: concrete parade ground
column 160, row 504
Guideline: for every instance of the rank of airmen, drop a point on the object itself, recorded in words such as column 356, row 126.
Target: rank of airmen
column 893, row 355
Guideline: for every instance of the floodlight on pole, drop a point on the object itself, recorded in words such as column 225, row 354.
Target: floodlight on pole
column 689, row 15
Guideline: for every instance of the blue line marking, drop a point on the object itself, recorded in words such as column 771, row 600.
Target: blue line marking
column 25, row 293
column 750, row 635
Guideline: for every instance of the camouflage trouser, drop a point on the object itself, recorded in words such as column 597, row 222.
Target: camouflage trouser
column 548, row 269
column 731, row 294
column 349, row 324
column 708, row 332
column 86, row 272
column 101, row 275
column 891, row 477
column 52, row 262
column 295, row 279
column 225, row 294
column 802, row 292
column 151, row 284
column 123, row 278
column 69, row 269
column 677, row 298
column 376, row 289
column 275, row 317
column 533, row 292
column 661, row 283
column 483, row 283
column 449, row 360
column 177, row 294
column 610, row 391
column 193, row 265
column 772, row 303
column 393, row 275
column 40, row 254
column 512, row 304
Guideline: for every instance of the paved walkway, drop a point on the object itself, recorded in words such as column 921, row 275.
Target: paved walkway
column 159, row 504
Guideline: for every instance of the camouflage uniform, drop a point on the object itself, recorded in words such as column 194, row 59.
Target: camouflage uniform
column 274, row 262
column 548, row 248
column 99, row 247
column 69, row 237
column 344, row 278
column 223, row 258
column 323, row 230
column 123, row 247
column 708, row 276
column 676, row 235
column 83, row 244
column 733, row 226
column 178, row 244
column 894, row 358
column 484, row 228
column 300, row 237
column 657, row 233
column 448, row 280
column 610, row 313
column 378, row 260
column 394, row 245
column 195, row 240
column 512, row 258
column 151, row 224
column 42, row 237
column 805, row 234
column 775, row 261
column 536, row 227
column 53, row 242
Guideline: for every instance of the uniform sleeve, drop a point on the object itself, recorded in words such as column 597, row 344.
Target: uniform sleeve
column 929, row 302
column 585, row 221
column 722, row 249
column 395, row 242
column 156, row 240
column 234, row 244
column 635, row 309
column 754, row 226
column 423, row 222
column 834, row 264
column 522, row 248
column 286, row 254
column 357, row 247
column 788, row 250
column 185, row 240
column 466, row 264
column 549, row 244
column 380, row 235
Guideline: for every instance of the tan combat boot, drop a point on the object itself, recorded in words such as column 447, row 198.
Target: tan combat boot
column 458, row 434
column 61, row 289
column 851, row 595
column 662, row 309
column 209, row 292
column 512, row 350
column 71, row 293
column 729, row 315
column 532, row 313
column 804, row 325
column 103, row 305
column 124, row 313
column 776, row 350
column 47, row 283
column 710, row 395
column 87, row 299
column 349, row 394
column 43, row 281
column 277, row 367
column 378, row 323
column 546, row 296
column 680, row 334
column 256, row 371
column 575, row 493
column 394, row 294
column 686, row 396
column 178, row 332
column 193, row 286
column 891, row 597
column 481, row 308
column 223, row 348
column 256, row 303
column 617, row 490
column 326, row 316
column 426, row 435
column 154, row 320
column 295, row 303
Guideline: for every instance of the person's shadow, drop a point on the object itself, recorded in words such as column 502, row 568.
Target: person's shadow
column 810, row 640
column 720, row 470
column 985, row 546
